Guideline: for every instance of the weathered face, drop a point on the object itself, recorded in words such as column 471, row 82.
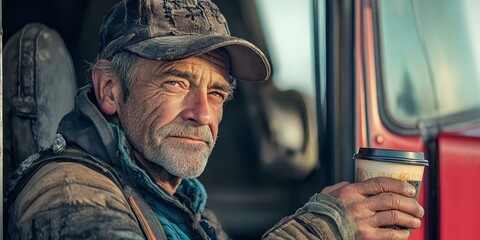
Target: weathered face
column 174, row 109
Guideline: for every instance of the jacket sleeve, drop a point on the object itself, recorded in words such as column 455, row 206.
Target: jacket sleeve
column 322, row 217
column 70, row 201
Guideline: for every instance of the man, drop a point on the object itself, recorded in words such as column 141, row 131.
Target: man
column 125, row 163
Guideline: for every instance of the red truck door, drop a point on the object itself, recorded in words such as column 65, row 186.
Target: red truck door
column 417, row 88
column 458, row 175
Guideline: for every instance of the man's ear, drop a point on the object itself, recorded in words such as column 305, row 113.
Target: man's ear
column 107, row 89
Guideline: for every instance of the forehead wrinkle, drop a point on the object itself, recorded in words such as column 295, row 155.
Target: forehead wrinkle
column 178, row 73
column 220, row 85
column 161, row 68
column 183, row 68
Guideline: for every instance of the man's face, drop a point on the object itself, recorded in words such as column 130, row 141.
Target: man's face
column 174, row 110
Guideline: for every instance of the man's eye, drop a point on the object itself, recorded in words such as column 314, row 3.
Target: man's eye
column 172, row 83
column 218, row 94
column 174, row 86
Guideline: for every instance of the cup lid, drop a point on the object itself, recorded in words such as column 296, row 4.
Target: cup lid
column 388, row 155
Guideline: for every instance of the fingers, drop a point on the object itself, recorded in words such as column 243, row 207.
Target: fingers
column 378, row 185
column 395, row 218
column 391, row 201
column 383, row 225
column 385, row 233
column 360, row 201
column 379, row 202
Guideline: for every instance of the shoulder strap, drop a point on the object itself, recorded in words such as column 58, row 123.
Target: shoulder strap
column 151, row 226
column 148, row 221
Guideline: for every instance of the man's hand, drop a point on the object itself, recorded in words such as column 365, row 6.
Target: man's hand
column 379, row 202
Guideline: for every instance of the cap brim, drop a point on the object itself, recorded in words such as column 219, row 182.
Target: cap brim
column 248, row 63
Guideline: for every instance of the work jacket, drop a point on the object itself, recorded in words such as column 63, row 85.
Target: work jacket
column 68, row 199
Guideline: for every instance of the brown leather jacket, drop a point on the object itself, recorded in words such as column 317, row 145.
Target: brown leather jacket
column 68, row 200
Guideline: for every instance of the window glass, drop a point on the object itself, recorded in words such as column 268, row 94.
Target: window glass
column 287, row 26
column 430, row 61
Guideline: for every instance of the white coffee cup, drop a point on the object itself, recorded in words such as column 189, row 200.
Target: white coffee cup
column 403, row 165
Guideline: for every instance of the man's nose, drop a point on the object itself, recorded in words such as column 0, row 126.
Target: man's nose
column 197, row 109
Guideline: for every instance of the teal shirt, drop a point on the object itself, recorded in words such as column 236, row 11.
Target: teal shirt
column 179, row 214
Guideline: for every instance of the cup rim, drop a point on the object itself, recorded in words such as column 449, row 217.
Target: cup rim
column 391, row 155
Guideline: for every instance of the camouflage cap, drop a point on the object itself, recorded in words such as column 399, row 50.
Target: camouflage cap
column 170, row 30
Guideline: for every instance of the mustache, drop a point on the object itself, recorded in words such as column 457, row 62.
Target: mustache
column 182, row 130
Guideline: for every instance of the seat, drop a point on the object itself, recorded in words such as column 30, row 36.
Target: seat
column 39, row 89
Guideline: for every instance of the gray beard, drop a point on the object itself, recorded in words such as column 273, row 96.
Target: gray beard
column 179, row 159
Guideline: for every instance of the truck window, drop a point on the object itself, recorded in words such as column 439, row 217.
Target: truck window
column 430, row 59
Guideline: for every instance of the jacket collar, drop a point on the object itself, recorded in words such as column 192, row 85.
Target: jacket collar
column 87, row 128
